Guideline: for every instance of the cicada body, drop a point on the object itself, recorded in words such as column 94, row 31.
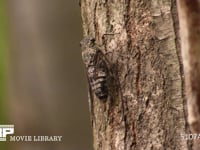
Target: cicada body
column 97, row 68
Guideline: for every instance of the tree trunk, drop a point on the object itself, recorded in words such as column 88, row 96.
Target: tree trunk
column 139, row 38
column 189, row 15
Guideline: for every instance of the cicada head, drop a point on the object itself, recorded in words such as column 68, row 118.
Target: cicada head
column 88, row 50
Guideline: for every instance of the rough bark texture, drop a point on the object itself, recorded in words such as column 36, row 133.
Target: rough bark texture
column 149, row 112
column 189, row 15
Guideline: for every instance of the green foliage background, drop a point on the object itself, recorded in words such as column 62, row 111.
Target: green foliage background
column 3, row 47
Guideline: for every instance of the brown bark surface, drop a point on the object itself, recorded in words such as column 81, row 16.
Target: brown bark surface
column 189, row 16
column 149, row 111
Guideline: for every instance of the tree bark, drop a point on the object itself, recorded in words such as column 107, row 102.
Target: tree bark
column 189, row 29
column 139, row 38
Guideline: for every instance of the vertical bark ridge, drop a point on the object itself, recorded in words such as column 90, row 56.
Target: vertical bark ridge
column 150, row 114
column 174, row 12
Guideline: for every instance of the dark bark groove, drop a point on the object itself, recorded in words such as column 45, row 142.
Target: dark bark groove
column 142, row 44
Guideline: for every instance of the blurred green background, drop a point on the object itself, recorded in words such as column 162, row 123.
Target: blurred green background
column 3, row 48
column 42, row 80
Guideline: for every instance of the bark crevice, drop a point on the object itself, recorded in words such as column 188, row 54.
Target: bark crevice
column 143, row 50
